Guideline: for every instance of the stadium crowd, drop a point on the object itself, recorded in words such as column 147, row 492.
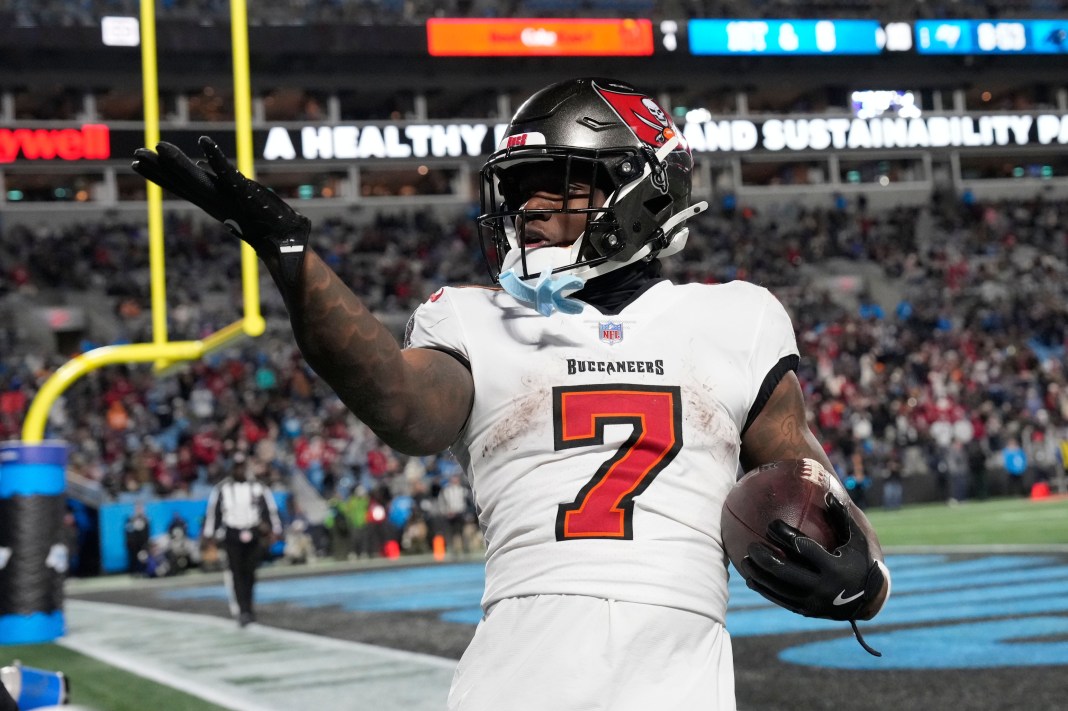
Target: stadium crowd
column 29, row 13
column 934, row 361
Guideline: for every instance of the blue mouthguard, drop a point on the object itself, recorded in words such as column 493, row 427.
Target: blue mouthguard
column 547, row 295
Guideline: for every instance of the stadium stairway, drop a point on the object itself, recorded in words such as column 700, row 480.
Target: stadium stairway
column 257, row 668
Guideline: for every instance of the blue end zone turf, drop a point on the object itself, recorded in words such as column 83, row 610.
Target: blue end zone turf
column 948, row 614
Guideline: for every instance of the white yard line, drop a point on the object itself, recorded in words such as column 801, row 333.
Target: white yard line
column 257, row 668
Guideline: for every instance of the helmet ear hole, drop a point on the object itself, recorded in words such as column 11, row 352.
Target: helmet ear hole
column 658, row 204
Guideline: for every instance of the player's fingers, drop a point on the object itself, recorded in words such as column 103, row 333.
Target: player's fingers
column 219, row 162
column 172, row 155
column 810, row 551
column 146, row 163
column 784, row 534
column 779, row 573
column 762, row 556
column 181, row 166
column 770, row 593
column 176, row 173
column 838, row 516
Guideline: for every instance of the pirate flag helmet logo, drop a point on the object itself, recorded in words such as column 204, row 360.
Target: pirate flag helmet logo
column 649, row 122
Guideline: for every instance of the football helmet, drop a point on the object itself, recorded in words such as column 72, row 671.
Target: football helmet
column 603, row 133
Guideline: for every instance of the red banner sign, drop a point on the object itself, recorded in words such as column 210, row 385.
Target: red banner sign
column 91, row 142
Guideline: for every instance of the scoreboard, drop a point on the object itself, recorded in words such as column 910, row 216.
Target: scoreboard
column 992, row 36
column 778, row 37
column 855, row 37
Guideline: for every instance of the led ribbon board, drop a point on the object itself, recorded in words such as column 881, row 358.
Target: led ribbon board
column 785, row 37
column 518, row 37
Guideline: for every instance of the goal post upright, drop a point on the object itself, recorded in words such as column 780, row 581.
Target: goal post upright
column 162, row 352
column 153, row 192
column 246, row 160
column 251, row 323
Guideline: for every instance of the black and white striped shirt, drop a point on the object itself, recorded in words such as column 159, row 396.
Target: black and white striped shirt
column 240, row 505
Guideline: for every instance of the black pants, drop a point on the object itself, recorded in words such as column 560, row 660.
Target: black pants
column 243, row 557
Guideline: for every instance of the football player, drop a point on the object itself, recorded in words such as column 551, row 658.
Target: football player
column 601, row 413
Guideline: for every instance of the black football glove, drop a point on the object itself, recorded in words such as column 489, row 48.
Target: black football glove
column 277, row 232
column 811, row 581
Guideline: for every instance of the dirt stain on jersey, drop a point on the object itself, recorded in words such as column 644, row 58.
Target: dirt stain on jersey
column 521, row 418
column 711, row 424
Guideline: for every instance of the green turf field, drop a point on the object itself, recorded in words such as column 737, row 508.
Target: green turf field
column 102, row 687
column 992, row 522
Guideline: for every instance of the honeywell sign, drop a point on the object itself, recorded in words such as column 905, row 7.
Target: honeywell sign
column 90, row 142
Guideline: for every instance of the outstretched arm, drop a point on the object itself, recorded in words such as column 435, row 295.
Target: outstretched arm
column 415, row 400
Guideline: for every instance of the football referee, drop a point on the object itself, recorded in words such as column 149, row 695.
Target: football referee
column 241, row 515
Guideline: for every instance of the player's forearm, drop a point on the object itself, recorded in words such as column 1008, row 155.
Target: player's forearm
column 346, row 345
column 362, row 362
column 781, row 430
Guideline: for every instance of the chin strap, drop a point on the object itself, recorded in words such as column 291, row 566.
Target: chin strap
column 549, row 294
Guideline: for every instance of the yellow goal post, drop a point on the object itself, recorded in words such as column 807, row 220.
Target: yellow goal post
column 162, row 352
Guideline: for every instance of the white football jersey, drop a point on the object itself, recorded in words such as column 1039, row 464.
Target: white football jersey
column 600, row 448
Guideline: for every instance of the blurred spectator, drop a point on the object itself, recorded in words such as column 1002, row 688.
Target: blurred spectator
column 956, row 464
column 339, row 529
column 977, row 468
column 1015, row 462
column 377, row 531
column 137, row 533
column 299, row 547
column 454, row 508
column 183, row 552
column 893, row 491
column 355, row 509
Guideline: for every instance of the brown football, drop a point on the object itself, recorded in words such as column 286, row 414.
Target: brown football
column 791, row 489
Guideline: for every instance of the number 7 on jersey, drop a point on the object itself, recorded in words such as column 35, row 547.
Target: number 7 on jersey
column 604, row 508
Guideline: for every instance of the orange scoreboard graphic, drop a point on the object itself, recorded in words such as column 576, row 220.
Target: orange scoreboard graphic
column 518, row 37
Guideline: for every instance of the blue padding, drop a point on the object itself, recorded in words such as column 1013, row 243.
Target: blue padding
column 31, row 629
column 32, row 469
column 31, row 480
column 54, row 453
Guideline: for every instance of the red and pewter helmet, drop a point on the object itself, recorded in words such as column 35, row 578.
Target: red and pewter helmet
column 608, row 134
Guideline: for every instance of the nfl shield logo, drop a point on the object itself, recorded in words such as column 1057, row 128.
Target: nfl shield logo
column 611, row 333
